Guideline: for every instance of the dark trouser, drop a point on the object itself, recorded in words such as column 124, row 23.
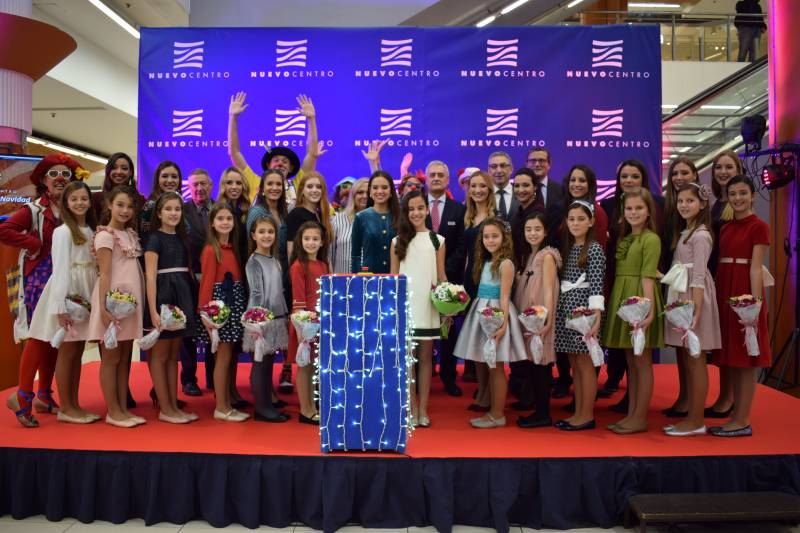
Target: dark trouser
column 617, row 366
column 564, row 379
column 520, row 380
column 261, row 384
column 188, row 362
column 447, row 361
column 541, row 382
column 748, row 44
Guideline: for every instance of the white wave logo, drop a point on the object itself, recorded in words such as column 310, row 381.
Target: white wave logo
column 605, row 188
column 502, row 122
column 289, row 122
column 291, row 53
column 187, row 55
column 396, row 122
column 607, row 123
column 501, row 53
column 396, row 53
column 187, row 123
column 607, row 54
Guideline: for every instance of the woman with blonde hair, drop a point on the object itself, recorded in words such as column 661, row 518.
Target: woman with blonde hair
column 342, row 225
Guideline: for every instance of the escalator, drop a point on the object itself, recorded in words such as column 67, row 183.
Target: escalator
column 710, row 122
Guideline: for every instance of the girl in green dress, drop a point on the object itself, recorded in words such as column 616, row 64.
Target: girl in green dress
column 638, row 253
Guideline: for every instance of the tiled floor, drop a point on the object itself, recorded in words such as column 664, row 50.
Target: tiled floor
column 39, row 524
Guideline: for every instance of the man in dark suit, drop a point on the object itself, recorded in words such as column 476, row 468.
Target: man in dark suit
column 447, row 219
column 195, row 213
column 551, row 191
column 500, row 168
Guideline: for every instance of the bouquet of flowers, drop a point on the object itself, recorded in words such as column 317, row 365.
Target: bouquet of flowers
column 172, row 319
column 449, row 300
column 78, row 308
column 255, row 321
column 633, row 311
column 747, row 308
column 533, row 319
column 491, row 320
column 307, row 327
column 680, row 314
column 581, row 320
column 120, row 304
column 216, row 314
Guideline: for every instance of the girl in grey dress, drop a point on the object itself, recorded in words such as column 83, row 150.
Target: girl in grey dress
column 265, row 279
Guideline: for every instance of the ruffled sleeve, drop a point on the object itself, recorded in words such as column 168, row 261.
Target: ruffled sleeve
column 545, row 252
column 701, row 244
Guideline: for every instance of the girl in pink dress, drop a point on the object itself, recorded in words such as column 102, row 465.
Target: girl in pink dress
column 117, row 249
column 692, row 245
column 743, row 244
column 537, row 284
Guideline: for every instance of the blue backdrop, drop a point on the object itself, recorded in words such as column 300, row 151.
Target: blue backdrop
column 590, row 94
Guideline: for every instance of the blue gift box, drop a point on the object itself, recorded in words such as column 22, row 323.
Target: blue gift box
column 364, row 344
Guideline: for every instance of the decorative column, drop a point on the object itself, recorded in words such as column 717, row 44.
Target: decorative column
column 28, row 50
column 784, row 127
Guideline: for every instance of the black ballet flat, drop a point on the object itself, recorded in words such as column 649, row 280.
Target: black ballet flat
column 280, row 404
column 314, row 420
column 532, row 421
column 717, row 431
column 580, row 427
column 277, row 418
column 709, row 412
column 241, row 404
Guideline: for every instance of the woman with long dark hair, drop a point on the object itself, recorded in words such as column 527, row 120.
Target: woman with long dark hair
column 375, row 226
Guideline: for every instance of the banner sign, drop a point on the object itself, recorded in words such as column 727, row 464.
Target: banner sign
column 589, row 94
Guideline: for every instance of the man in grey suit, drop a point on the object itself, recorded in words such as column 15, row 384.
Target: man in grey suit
column 500, row 169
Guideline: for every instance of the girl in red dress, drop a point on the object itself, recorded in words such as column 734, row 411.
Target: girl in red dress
column 309, row 262
column 743, row 244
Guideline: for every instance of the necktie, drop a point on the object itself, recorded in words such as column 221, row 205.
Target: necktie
column 435, row 217
column 204, row 216
column 503, row 207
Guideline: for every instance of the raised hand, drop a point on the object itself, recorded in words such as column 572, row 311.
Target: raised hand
column 373, row 153
column 237, row 104
column 405, row 164
column 305, row 106
column 320, row 150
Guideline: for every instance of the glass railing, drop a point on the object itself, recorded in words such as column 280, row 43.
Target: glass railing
column 685, row 36
column 711, row 121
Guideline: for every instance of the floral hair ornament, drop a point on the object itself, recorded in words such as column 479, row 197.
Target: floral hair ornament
column 703, row 191
column 583, row 203
column 82, row 174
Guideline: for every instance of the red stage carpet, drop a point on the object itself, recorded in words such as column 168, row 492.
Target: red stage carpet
column 775, row 422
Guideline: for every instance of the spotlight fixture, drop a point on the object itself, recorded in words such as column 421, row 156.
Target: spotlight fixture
column 753, row 129
column 779, row 172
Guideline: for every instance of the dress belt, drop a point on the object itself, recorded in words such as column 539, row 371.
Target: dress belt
column 171, row 270
column 738, row 260
column 769, row 279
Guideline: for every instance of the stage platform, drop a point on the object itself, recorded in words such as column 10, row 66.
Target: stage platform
column 274, row 474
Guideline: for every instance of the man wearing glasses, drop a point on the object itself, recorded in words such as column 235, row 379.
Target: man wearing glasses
column 506, row 206
column 550, row 191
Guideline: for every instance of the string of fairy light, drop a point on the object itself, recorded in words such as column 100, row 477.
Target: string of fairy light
column 348, row 381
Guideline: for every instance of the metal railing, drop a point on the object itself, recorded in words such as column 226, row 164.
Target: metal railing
column 687, row 36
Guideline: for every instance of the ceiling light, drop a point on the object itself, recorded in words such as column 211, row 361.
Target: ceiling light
column 68, row 150
column 669, row 106
column 654, row 5
column 110, row 13
column 512, row 6
column 573, row 3
column 487, row 20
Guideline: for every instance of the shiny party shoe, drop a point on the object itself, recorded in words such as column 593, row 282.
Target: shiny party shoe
column 424, row 422
column 488, row 423
column 44, row 402
column 85, row 419
column 718, row 431
column 673, row 432
column 126, row 423
column 312, row 420
column 23, row 414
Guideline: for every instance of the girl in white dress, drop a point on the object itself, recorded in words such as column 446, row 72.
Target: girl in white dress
column 74, row 273
column 418, row 253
